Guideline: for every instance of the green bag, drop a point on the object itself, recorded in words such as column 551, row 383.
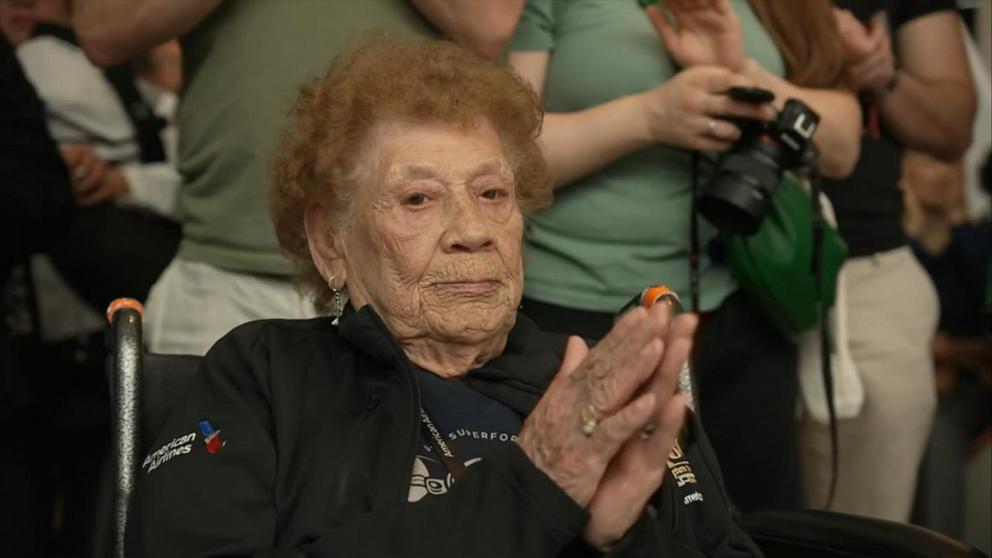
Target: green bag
column 773, row 265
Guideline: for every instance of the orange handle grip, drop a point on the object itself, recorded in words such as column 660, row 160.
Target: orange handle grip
column 119, row 303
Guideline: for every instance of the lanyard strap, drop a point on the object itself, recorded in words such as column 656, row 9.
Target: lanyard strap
column 444, row 448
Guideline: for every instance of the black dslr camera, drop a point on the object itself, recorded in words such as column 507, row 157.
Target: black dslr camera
column 737, row 196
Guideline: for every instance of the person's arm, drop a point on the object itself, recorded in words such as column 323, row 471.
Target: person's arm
column 485, row 26
column 931, row 104
column 79, row 98
column 112, row 32
column 678, row 112
column 576, row 144
column 154, row 186
column 838, row 137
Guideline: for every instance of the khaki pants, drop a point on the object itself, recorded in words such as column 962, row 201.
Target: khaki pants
column 892, row 310
column 194, row 304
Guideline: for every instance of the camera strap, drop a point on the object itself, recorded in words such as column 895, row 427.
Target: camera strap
column 694, row 235
column 816, row 269
column 818, row 225
column 444, row 448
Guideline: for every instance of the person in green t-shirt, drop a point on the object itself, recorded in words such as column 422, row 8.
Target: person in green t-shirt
column 243, row 64
column 624, row 110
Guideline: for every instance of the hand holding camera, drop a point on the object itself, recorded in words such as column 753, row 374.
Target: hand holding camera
column 737, row 197
column 692, row 110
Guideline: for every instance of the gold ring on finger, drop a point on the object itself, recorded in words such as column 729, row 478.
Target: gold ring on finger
column 589, row 417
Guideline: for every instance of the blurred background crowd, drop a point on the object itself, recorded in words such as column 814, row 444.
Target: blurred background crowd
column 134, row 161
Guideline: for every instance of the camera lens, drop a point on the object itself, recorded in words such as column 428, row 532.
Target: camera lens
column 737, row 197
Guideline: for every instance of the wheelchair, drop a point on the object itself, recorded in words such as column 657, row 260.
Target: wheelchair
column 144, row 385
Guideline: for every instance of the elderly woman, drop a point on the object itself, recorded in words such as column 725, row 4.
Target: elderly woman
column 427, row 417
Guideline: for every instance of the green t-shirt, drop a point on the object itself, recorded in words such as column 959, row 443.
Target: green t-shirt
column 244, row 65
column 614, row 232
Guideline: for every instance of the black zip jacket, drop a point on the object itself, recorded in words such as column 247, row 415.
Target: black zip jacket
column 297, row 438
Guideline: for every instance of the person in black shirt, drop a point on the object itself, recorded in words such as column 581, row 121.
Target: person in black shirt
column 35, row 208
column 906, row 58
column 954, row 250
column 35, row 199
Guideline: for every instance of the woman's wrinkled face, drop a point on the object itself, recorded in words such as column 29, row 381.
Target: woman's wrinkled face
column 434, row 242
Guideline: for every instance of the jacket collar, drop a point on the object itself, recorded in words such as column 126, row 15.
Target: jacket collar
column 516, row 378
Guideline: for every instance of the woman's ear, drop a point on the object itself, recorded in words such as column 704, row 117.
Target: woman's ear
column 320, row 240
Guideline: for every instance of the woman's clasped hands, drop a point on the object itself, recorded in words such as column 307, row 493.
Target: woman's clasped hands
column 605, row 427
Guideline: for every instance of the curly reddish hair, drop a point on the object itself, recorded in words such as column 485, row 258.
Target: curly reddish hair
column 381, row 78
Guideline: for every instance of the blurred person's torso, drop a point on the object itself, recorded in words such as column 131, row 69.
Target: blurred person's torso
column 615, row 230
column 243, row 67
column 868, row 203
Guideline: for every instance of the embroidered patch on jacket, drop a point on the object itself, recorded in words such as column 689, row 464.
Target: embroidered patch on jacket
column 180, row 445
column 680, row 467
column 211, row 437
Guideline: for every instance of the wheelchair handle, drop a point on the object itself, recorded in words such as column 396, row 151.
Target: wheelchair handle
column 124, row 315
column 121, row 303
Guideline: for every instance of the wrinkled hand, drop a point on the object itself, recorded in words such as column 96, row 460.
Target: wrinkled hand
column 870, row 61
column 688, row 110
column 610, row 377
column 637, row 471
column 707, row 32
column 93, row 180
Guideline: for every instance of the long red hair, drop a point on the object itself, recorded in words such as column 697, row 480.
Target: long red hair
column 805, row 33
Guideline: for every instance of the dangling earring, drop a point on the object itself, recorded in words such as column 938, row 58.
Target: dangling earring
column 340, row 299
